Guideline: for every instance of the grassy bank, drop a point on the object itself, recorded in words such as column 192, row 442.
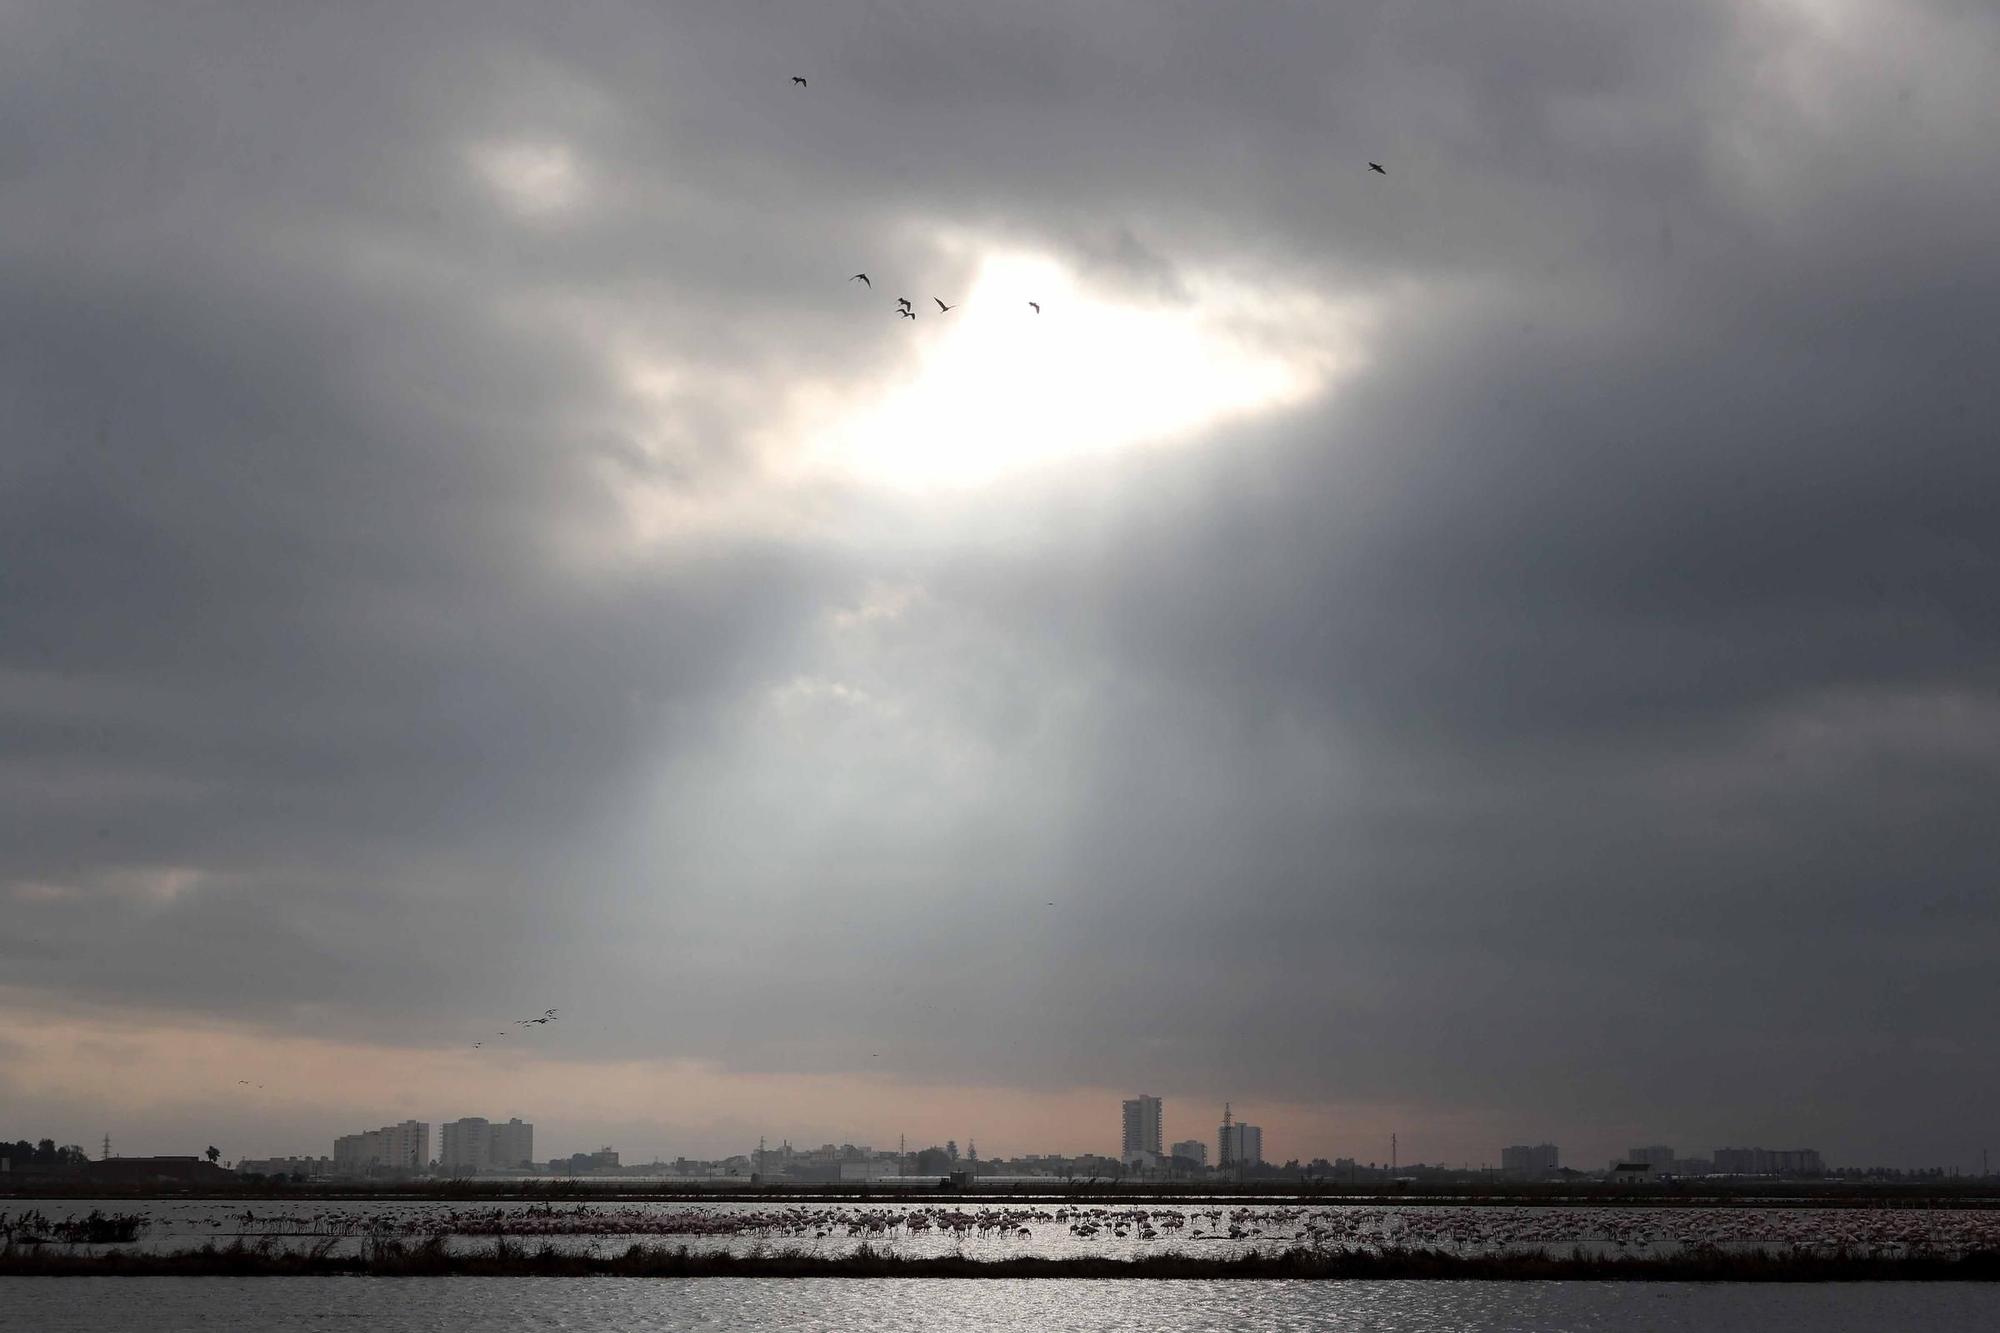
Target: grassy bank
column 433, row 1259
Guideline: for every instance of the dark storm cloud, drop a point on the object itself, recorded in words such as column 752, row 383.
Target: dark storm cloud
column 1576, row 718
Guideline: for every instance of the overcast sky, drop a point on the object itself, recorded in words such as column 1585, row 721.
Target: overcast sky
column 1500, row 650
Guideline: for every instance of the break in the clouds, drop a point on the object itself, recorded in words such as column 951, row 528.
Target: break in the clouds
column 1504, row 648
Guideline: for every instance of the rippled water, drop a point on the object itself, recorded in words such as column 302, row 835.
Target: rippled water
column 447, row 1305
column 1001, row 1230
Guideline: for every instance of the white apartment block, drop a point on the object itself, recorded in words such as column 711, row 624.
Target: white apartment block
column 404, row 1147
column 1240, row 1145
column 475, row 1145
column 1142, row 1127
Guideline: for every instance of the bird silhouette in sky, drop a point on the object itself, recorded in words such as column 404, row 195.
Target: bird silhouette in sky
column 1037, row 306
column 907, row 313
column 477, row 1044
column 862, row 278
column 942, row 307
column 799, row 81
column 903, row 301
column 1377, row 166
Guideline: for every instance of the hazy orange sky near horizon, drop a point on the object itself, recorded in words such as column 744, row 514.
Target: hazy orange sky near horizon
column 158, row 1087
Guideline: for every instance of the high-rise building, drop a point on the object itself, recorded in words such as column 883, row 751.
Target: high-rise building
column 474, row 1145
column 1532, row 1162
column 404, row 1147
column 465, row 1147
column 1142, row 1127
column 1238, row 1144
column 1194, row 1150
column 512, row 1144
column 1658, row 1156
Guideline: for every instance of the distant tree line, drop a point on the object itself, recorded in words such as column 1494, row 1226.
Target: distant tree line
column 1892, row 1174
column 43, row 1154
column 935, row 1160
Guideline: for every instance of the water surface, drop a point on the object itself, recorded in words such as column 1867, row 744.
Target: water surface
column 711, row 1305
column 1001, row 1230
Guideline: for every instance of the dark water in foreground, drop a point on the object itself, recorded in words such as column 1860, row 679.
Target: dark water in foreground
column 452, row 1305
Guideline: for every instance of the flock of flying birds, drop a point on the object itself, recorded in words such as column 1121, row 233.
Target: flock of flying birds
column 548, row 1016
column 903, row 302
column 905, row 311
column 903, row 308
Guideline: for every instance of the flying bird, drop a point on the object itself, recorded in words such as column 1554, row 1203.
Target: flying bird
column 799, row 81
column 907, row 313
column 862, row 278
column 942, row 307
column 903, row 301
column 1377, row 166
column 1037, row 305
column 477, row 1044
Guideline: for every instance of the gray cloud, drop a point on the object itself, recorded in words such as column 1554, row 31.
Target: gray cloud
column 1578, row 718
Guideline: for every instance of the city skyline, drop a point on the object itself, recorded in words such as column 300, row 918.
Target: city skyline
column 473, row 1147
column 467, row 1145
column 1308, row 1132
column 1424, row 574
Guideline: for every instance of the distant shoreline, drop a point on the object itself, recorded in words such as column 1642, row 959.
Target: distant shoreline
column 1748, row 1194
column 509, row 1259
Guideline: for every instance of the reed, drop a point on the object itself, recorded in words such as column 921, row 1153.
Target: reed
column 34, row 1227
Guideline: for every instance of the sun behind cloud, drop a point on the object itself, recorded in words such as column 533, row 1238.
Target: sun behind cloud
column 998, row 388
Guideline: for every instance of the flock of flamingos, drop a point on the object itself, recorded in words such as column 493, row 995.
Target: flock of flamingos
column 1005, row 1230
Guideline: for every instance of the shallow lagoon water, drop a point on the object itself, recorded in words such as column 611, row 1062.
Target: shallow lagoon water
column 1044, row 1229
column 452, row 1305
